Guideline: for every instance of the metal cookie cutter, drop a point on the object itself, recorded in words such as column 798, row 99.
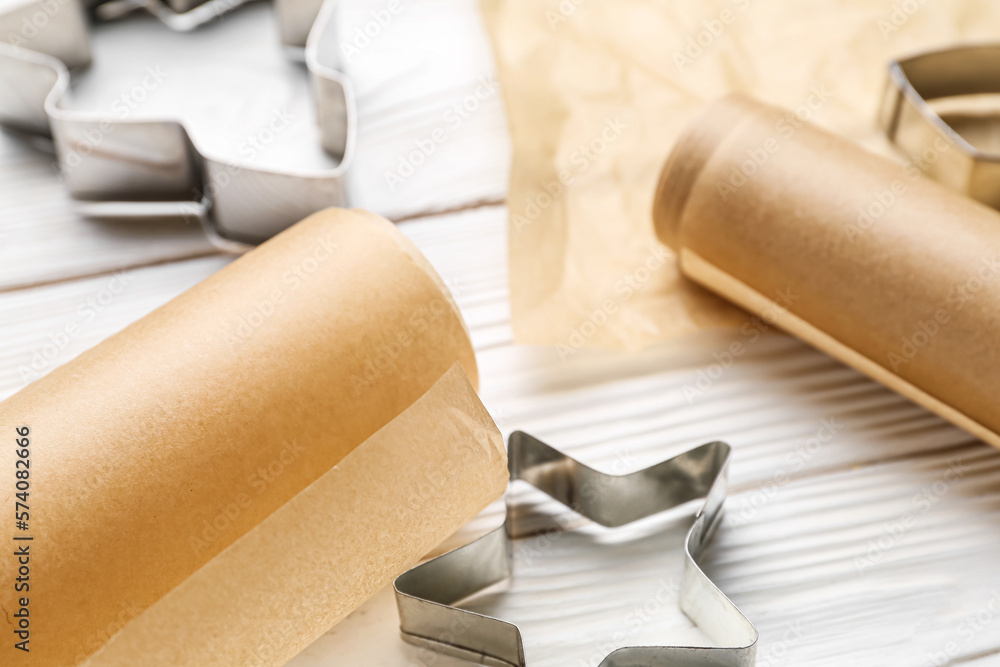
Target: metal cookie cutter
column 153, row 166
column 917, row 130
column 180, row 15
column 426, row 593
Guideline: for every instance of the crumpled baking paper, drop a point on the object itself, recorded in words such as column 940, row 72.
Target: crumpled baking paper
column 596, row 93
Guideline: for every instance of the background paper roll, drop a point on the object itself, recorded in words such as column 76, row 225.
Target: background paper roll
column 292, row 418
column 864, row 258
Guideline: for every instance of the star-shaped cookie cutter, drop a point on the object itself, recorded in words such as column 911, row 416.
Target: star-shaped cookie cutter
column 154, row 165
column 425, row 595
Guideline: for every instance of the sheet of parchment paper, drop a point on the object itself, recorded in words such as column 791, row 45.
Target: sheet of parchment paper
column 332, row 546
column 222, row 480
column 597, row 91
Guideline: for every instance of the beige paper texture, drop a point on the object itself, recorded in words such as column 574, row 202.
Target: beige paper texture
column 158, row 453
column 327, row 550
column 598, row 90
column 868, row 260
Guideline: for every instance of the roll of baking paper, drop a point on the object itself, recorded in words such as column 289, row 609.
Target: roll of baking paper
column 228, row 477
column 863, row 258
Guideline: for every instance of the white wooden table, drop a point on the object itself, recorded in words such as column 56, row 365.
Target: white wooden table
column 860, row 529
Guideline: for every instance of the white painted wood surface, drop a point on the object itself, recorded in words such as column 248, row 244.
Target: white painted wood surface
column 43, row 240
column 847, row 540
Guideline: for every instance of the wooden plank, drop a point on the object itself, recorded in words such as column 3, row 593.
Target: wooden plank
column 43, row 239
column 44, row 327
column 846, row 539
column 792, row 567
column 432, row 127
column 827, row 467
column 427, row 94
column 926, row 599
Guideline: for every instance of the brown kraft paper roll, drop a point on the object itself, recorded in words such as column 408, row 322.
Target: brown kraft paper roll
column 229, row 476
column 864, row 258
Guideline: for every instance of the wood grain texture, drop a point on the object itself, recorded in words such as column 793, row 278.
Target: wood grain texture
column 44, row 327
column 44, row 239
column 807, row 505
column 846, row 539
column 860, row 529
column 430, row 111
column 432, row 133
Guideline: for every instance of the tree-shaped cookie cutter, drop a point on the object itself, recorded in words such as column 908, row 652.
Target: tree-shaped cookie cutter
column 155, row 162
column 426, row 594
